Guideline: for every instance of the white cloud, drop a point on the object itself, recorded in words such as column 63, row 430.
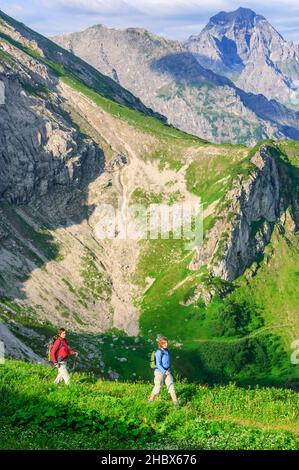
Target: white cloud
column 149, row 7
column 153, row 7
column 176, row 19
column 92, row 6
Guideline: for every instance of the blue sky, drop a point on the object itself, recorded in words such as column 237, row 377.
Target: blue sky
column 175, row 19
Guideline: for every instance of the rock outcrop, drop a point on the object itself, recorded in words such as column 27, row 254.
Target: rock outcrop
column 243, row 229
column 15, row 348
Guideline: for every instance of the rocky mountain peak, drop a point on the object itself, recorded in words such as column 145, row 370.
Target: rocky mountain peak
column 243, row 46
column 242, row 17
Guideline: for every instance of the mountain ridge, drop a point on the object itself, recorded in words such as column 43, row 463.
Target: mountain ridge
column 169, row 79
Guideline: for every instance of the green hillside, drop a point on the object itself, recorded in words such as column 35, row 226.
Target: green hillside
column 245, row 333
column 95, row 414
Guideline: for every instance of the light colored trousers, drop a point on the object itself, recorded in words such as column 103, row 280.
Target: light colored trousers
column 62, row 375
column 159, row 380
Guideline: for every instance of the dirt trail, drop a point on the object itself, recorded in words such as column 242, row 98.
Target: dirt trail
column 249, row 336
column 258, row 424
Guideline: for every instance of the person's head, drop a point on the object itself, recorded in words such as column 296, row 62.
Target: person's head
column 61, row 333
column 162, row 342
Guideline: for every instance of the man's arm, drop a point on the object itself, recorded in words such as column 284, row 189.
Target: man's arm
column 71, row 351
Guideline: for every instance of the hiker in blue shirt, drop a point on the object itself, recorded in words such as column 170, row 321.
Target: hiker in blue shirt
column 163, row 371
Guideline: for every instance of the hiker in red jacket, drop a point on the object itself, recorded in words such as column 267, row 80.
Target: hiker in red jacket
column 59, row 354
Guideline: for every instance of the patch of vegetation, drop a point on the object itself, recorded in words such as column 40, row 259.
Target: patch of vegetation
column 146, row 198
column 156, row 256
column 20, row 313
column 208, row 224
column 236, row 318
column 211, row 179
column 222, row 243
column 42, row 239
column 257, row 226
column 37, row 90
column 93, row 414
column 69, row 286
column 7, row 58
column 96, row 284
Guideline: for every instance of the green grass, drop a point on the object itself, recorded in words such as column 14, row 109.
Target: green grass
column 211, row 178
column 135, row 118
column 22, row 314
column 37, row 90
column 139, row 196
column 147, row 198
column 275, row 287
column 96, row 414
column 167, row 154
column 253, row 350
column 5, row 56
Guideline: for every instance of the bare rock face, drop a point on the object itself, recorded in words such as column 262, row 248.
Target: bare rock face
column 38, row 148
column 255, row 203
column 244, row 46
column 14, row 348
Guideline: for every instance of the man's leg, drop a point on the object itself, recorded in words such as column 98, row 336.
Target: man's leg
column 158, row 381
column 169, row 382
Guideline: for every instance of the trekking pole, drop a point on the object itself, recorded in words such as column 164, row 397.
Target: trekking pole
column 74, row 365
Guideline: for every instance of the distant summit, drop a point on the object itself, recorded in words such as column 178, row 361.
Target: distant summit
column 245, row 47
column 244, row 17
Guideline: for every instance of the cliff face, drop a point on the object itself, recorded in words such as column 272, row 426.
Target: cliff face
column 38, row 147
column 255, row 201
column 246, row 219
